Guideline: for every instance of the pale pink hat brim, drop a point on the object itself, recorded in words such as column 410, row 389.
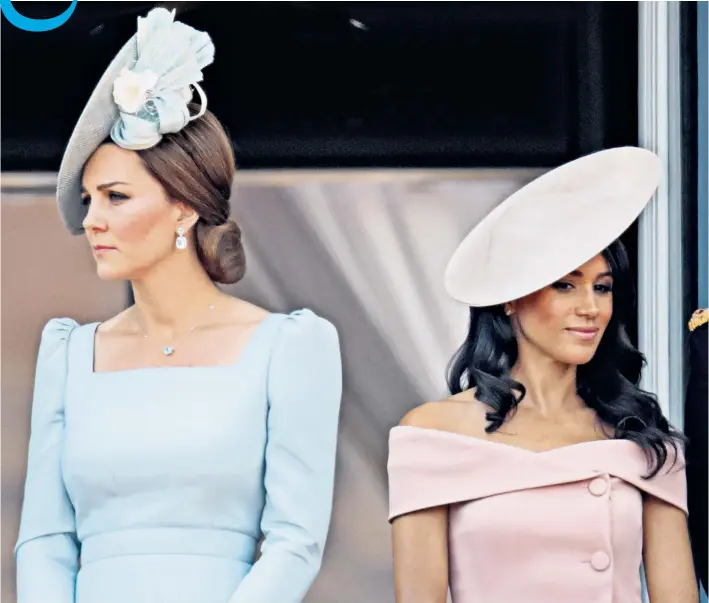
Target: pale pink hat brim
column 552, row 226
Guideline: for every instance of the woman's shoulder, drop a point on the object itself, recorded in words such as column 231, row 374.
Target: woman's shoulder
column 305, row 353
column 301, row 320
column 303, row 325
column 240, row 310
column 438, row 456
column 54, row 344
column 59, row 328
column 461, row 414
column 115, row 323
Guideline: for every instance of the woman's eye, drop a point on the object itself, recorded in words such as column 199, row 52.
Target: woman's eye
column 562, row 286
column 115, row 197
column 604, row 288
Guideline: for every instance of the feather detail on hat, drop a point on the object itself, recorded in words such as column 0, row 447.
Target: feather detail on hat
column 152, row 94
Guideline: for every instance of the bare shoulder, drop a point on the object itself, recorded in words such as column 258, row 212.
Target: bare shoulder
column 460, row 413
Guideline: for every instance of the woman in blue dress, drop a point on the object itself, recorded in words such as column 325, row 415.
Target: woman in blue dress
column 184, row 450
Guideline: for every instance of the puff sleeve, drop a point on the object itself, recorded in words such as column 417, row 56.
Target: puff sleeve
column 304, row 391
column 47, row 550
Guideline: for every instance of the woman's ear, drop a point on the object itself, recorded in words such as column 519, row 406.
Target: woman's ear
column 186, row 216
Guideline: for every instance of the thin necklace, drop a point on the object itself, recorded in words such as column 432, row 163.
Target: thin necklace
column 168, row 350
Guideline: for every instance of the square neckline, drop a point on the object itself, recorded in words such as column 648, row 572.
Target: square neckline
column 250, row 343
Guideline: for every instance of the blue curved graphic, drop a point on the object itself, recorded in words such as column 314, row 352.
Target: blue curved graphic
column 28, row 24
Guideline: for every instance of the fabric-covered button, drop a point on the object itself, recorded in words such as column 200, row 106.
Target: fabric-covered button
column 598, row 486
column 600, row 561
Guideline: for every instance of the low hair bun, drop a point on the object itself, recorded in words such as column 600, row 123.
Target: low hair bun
column 196, row 167
column 220, row 251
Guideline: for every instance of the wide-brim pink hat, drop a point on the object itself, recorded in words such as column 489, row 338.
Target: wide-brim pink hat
column 551, row 226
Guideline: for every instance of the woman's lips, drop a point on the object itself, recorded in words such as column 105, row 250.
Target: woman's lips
column 101, row 249
column 584, row 333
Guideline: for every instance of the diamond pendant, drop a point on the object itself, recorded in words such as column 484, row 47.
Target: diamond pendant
column 168, row 350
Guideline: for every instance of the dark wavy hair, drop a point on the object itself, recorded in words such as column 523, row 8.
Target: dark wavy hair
column 608, row 383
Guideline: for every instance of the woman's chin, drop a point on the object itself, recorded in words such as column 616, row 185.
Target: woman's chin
column 108, row 273
column 578, row 358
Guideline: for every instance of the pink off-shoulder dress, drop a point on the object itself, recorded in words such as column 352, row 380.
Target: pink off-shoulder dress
column 559, row 526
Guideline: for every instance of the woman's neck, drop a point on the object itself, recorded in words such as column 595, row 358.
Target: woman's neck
column 169, row 301
column 550, row 385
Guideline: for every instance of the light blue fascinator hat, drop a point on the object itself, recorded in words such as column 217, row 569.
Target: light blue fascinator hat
column 143, row 95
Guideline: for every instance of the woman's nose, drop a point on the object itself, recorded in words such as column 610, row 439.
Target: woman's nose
column 94, row 220
column 588, row 305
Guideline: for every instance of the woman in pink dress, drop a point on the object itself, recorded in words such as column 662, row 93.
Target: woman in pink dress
column 548, row 476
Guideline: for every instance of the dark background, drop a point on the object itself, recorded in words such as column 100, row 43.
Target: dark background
column 314, row 84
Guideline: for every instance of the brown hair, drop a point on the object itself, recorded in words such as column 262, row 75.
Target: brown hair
column 196, row 166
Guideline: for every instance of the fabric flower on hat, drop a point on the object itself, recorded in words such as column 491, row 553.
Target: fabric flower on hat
column 152, row 94
column 131, row 89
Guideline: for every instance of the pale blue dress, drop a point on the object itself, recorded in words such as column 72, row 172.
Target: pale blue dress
column 155, row 485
